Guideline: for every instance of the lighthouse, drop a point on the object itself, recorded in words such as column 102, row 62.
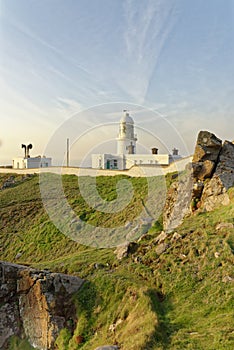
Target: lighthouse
column 126, row 140
column 126, row 155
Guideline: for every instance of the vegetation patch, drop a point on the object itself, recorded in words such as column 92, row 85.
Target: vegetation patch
column 181, row 298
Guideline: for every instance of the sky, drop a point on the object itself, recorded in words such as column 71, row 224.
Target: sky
column 69, row 68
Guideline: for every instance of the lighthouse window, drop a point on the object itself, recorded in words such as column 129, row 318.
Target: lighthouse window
column 115, row 163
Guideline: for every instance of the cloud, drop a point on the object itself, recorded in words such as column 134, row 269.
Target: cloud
column 68, row 106
column 29, row 33
column 147, row 28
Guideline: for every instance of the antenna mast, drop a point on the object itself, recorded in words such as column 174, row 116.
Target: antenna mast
column 68, row 155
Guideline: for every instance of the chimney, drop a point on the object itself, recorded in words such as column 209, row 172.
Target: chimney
column 175, row 152
column 154, row 150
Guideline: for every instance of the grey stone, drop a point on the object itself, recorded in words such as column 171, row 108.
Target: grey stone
column 122, row 251
column 161, row 237
column 207, row 147
column 34, row 304
column 161, row 248
column 177, row 203
column 175, row 236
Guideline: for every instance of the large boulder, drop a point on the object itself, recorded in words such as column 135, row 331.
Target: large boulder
column 206, row 182
column 207, row 147
column 206, row 155
column 215, row 191
column 36, row 304
column 225, row 167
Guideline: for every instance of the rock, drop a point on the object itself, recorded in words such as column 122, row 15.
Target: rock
column 113, row 326
column 214, row 194
column 206, row 155
column 161, row 237
column 215, row 191
column 222, row 225
column 175, row 237
column 18, row 255
column 177, row 203
column 123, row 250
column 207, row 147
column 35, row 304
column 161, row 248
column 137, row 259
column 225, row 167
column 203, row 170
column 217, row 255
column 213, row 202
column 108, row 347
column 10, row 182
column 197, row 189
column 206, row 182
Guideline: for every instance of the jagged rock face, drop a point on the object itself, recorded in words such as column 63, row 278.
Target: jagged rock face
column 207, row 147
column 215, row 191
column 212, row 174
column 36, row 304
column 225, row 167
column 206, row 154
column 177, row 202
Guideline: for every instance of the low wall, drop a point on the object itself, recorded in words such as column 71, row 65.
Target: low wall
column 135, row 171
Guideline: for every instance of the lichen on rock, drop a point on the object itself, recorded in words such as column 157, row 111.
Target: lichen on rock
column 36, row 304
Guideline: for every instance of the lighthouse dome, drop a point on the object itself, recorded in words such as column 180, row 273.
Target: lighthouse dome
column 126, row 119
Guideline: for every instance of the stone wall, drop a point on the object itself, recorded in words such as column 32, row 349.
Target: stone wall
column 36, row 304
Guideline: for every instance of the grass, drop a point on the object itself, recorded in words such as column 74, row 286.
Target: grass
column 181, row 299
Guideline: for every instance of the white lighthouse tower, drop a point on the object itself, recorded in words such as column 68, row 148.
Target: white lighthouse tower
column 126, row 140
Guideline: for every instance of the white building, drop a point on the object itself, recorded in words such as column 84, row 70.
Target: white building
column 126, row 155
column 31, row 162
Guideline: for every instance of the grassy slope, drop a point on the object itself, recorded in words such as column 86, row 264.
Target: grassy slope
column 178, row 300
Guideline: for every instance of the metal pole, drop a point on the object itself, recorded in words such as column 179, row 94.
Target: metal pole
column 67, row 152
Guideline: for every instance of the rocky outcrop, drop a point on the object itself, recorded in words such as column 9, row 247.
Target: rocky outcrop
column 177, row 201
column 123, row 250
column 206, row 182
column 215, row 190
column 207, row 147
column 36, row 304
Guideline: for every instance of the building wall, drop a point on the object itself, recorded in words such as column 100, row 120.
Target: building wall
column 126, row 161
column 146, row 159
column 108, row 161
column 30, row 163
column 136, row 171
column 19, row 163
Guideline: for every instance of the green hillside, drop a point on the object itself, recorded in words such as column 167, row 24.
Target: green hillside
column 181, row 298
